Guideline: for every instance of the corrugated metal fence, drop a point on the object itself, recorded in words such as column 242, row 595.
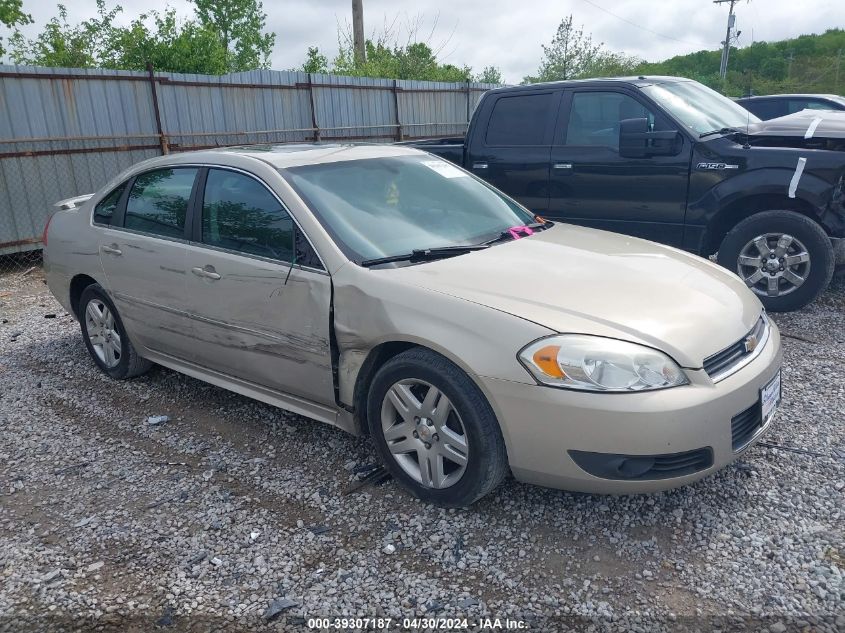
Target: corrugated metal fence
column 65, row 132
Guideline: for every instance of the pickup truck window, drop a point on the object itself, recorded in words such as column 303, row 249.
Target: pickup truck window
column 595, row 116
column 519, row 120
column 699, row 108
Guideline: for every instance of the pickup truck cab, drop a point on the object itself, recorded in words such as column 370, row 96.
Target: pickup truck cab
column 670, row 160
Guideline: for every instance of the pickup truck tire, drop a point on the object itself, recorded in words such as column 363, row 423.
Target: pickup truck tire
column 434, row 430
column 784, row 257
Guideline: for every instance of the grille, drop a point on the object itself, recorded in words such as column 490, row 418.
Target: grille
column 681, row 464
column 643, row 467
column 721, row 363
column 744, row 425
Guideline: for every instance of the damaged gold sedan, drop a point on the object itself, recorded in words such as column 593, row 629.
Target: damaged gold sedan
column 388, row 292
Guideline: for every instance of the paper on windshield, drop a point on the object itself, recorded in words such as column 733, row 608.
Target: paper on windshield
column 447, row 170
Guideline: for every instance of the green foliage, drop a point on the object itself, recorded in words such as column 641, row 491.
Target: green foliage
column 414, row 61
column 572, row 54
column 187, row 46
column 490, row 75
column 240, row 24
column 12, row 15
column 807, row 63
column 66, row 45
column 316, row 62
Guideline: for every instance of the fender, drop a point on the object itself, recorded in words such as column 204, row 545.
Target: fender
column 738, row 193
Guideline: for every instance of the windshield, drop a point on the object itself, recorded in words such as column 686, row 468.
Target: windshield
column 698, row 107
column 381, row 207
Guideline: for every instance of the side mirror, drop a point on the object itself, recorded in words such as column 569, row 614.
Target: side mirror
column 636, row 141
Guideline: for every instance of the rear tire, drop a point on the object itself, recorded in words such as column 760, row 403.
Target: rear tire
column 434, row 430
column 106, row 338
column 785, row 258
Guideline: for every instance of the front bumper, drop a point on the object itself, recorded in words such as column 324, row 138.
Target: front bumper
column 542, row 424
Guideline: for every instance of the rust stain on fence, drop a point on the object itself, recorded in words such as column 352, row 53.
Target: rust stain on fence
column 92, row 123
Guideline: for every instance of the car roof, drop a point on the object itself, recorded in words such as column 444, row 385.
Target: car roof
column 796, row 95
column 639, row 81
column 282, row 156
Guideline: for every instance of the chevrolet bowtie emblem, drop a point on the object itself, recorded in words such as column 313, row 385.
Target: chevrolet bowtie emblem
column 750, row 343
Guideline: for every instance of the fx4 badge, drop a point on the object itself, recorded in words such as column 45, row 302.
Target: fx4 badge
column 717, row 166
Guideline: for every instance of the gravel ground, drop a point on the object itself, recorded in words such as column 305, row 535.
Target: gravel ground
column 233, row 514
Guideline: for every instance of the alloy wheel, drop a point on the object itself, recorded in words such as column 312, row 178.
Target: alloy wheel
column 424, row 433
column 102, row 333
column 774, row 264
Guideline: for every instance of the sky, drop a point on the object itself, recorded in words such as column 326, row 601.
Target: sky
column 506, row 33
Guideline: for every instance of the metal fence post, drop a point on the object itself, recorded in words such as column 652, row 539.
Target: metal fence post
column 469, row 111
column 313, row 110
column 399, row 134
column 162, row 138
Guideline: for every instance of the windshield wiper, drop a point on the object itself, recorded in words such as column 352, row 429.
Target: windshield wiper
column 425, row 255
column 724, row 130
column 505, row 236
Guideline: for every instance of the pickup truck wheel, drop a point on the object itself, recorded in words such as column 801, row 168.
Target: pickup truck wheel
column 784, row 257
column 434, row 429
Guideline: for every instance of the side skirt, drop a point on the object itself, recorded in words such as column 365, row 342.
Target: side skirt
column 294, row 404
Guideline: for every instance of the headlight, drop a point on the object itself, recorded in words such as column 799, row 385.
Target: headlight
column 593, row 363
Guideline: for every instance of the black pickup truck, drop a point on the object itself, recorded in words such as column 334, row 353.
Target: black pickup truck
column 671, row 160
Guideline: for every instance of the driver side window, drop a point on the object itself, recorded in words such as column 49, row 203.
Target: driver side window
column 595, row 116
column 240, row 214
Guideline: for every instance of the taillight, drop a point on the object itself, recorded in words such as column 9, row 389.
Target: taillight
column 46, row 229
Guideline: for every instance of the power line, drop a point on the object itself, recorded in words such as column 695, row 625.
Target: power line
column 639, row 26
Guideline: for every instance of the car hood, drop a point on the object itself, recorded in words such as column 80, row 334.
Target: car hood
column 579, row 280
column 806, row 124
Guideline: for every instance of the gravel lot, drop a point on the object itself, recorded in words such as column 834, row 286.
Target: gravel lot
column 232, row 508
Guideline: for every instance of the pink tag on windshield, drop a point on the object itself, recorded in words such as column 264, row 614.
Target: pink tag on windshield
column 516, row 231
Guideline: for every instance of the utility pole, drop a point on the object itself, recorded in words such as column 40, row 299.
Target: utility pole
column 836, row 81
column 726, row 48
column 358, row 48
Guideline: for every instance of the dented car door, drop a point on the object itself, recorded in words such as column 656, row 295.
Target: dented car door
column 259, row 298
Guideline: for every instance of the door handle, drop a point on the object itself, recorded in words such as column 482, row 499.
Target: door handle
column 208, row 272
column 562, row 165
column 479, row 165
column 111, row 250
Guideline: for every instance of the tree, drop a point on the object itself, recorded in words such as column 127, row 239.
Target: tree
column 315, row 62
column 608, row 64
column 490, row 75
column 66, row 45
column 170, row 44
column 413, row 61
column 807, row 63
column 12, row 15
column 240, row 25
column 570, row 54
column 186, row 47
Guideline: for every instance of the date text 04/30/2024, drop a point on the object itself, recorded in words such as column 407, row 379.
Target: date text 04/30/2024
column 385, row 624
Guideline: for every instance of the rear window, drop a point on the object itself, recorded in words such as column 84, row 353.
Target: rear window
column 520, row 120
column 105, row 209
column 158, row 201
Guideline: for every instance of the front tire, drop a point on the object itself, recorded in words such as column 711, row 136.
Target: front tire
column 434, row 430
column 785, row 258
column 106, row 338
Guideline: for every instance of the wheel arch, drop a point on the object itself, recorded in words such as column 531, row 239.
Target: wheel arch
column 78, row 284
column 380, row 354
column 739, row 209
